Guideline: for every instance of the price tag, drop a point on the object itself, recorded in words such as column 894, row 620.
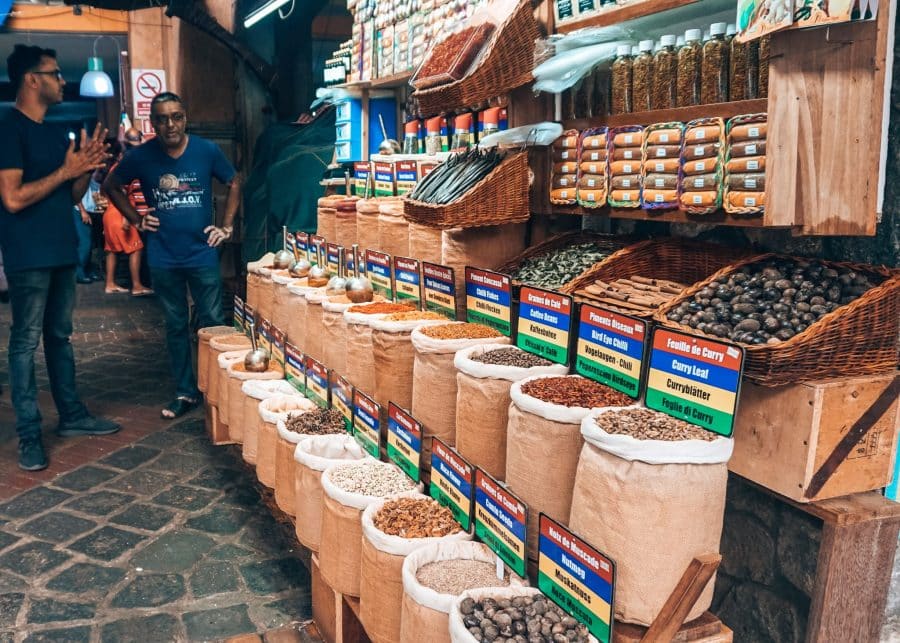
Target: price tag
column 577, row 577
column 545, row 324
column 294, row 368
column 316, row 382
column 367, row 423
column 407, row 282
column 313, row 240
column 489, row 299
column 378, row 269
column 361, row 172
column 452, row 482
column 500, row 521
column 278, row 342
column 265, row 335
column 301, row 239
column 291, row 242
column 611, row 349
column 342, row 399
column 333, row 258
column 440, row 289
column 238, row 314
column 407, row 176
column 249, row 317
column 695, row 379
column 404, row 441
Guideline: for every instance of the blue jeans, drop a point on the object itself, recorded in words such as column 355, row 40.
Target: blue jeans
column 171, row 286
column 42, row 302
column 84, row 246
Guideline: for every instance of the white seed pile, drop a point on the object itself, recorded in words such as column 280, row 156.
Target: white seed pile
column 378, row 479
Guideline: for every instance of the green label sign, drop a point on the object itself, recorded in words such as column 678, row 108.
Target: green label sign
column 545, row 324
column 294, row 367
column 316, row 382
column 407, row 281
column 501, row 521
column 342, row 399
column 611, row 349
column 378, row 269
column 439, row 287
column 489, row 299
column 452, row 482
column 367, row 423
column 404, row 441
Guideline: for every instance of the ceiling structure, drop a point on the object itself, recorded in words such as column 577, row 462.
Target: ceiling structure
column 72, row 50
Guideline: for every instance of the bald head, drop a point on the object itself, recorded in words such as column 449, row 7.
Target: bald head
column 133, row 137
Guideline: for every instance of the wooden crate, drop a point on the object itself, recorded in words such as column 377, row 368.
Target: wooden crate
column 336, row 615
column 217, row 432
column 818, row 440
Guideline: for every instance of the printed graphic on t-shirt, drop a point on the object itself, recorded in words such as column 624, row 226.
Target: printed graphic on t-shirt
column 182, row 191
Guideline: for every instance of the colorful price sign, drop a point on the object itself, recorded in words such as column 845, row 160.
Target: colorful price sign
column 367, row 423
column 342, row 399
column 407, row 176
column 265, row 335
column 249, row 317
column 316, row 382
column 361, row 172
column 291, row 242
column 407, row 281
column 238, row 314
column 545, row 324
column 576, row 577
column 695, row 379
column 316, row 241
column 378, row 269
column 489, row 299
column 294, row 367
column 278, row 342
column 440, row 289
column 452, row 482
column 333, row 258
column 501, row 520
column 611, row 349
column 301, row 239
column 404, row 441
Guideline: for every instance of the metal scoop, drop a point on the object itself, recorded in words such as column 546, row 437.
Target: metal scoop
column 284, row 258
column 359, row 289
column 257, row 360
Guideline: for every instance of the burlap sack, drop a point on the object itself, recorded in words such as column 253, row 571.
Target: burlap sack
column 666, row 492
column 286, row 466
column 225, row 360
column 334, row 343
column 315, row 331
column 203, row 352
column 254, row 283
column 393, row 229
column 486, row 247
column 296, row 330
column 340, row 547
column 367, row 224
column 271, row 410
column 434, row 387
column 313, row 455
column 345, row 223
column 381, row 574
column 218, row 345
column 237, row 375
column 326, row 215
column 281, row 301
column 425, row 243
column 482, row 406
column 394, row 357
column 255, row 391
column 360, row 358
column 424, row 613
column 266, row 307
column 542, row 447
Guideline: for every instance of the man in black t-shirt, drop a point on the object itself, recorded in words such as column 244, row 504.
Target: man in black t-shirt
column 42, row 175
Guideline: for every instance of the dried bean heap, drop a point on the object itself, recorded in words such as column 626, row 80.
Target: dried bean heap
column 370, row 478
column 771, row 301
column 456, row 575
column 574, row 391
column 415, row 518
column 558, row 267
column 460, row 331
column 523, row 618
column 380, row 308
column 315, row 422
column 644, row 424
column 414, row 315
column 511, row 357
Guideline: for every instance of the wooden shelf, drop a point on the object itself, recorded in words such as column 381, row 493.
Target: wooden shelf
column 666, row 216
column 681, row 114
column 391, row 82
column 621, row 13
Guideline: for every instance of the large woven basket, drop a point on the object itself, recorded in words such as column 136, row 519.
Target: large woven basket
column 505, row 65
column 679, row 260
column 500, row 197
column 860, row 338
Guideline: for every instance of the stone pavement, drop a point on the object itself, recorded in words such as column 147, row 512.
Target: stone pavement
column 149, row 535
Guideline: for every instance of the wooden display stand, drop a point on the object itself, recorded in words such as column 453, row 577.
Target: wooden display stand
column 818, row 440
column 218, row 432
column 336, row 615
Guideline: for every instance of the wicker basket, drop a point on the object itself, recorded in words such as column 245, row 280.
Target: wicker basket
column 679, row 260
column 505, row 65
column 500, row 197
column 860, row 338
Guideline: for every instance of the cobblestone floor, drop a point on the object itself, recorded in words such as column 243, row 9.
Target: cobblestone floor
column 148, row 535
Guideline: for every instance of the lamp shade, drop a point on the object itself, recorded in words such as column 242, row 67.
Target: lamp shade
column 96, row 83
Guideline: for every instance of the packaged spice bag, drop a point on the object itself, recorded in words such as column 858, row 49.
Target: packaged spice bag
column 593, row 185
column 703, row 153
column 745, row 191
column 564, row 170
column 662, row 142
column 627, row 142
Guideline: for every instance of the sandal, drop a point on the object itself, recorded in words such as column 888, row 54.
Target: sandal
column 115, row 289
column 145, row 292
column 178, row 407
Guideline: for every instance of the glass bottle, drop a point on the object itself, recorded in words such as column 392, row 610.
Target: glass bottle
column 665, row 70
column 411, row 137
column 714, row 72
column 689, row 58
column 622, row 99
column 642, row 77
column 743, row 69
column 763, row 67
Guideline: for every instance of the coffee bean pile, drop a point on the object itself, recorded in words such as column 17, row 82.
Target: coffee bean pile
column 644, row 424
column 511, row 357
column 530, row 619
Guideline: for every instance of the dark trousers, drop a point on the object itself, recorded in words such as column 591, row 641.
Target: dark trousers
column 42, row 302
column 171, row 286
column 85, row 241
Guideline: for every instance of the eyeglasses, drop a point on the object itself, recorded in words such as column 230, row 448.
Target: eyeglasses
column 53, row 72
column 176, row 118
column 132, row 140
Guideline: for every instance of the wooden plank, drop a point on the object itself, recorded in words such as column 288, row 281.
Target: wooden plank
column 682, row 599
column 351, row 628
column 705, row 629
column 323, row 603
column 666, row 216
column 683, row 114
column 621, row 13
column 393, row 81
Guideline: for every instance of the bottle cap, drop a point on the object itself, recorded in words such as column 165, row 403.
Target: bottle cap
column 646, row 45
column 623, row 50
column 731, row 30
column 692, row 35
column 680, row 41
column 635, row 51
column 717, row 28
column 668, row 40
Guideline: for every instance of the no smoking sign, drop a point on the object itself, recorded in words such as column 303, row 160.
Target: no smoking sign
column 145, row 84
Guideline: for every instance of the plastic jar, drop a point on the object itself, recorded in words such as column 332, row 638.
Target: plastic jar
column 763, row 57
column 689, row 61
column 714, row 73
column 642, row 77
column 665, row 71
column 622, row 98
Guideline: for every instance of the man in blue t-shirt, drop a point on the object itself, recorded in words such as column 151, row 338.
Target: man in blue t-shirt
column 176, row 171
column 42, row 175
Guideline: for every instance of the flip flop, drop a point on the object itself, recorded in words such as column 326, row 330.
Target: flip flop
column 178, row 407
column 117, row 289
column 146, row 292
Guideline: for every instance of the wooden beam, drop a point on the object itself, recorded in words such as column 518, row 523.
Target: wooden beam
column 30, row 17
column 682, row 599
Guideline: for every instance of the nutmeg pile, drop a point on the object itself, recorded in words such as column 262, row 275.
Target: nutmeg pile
column 526, row 618
column 415, row 518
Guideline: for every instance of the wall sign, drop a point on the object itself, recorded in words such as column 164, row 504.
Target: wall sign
column 367, row 423
column 489, row 299
column 576, row 577
column 500, row 521
column 407, row 281
column 439, row 289
column 294, row 367
column 316, row 382
column 452, row 482
column 238, row 314
column 378, row 269
column 404, row 441
column 695, row 379
column 342, row 399
column 545, row 324
column 611, row 349
column 145, row 84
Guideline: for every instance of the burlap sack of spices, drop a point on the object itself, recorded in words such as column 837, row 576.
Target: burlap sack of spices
column 367, row 224
column 326, row 215
column 203, row 351
column 217, row 345
column 266, row 307
column 482, row 406
column 315, row 330
column 345, row 222
column 225, row 360
column 237, row 375
column 458, row 631
column 360, row 359
column 666, row 492
column 281, row 301
column 254, row 392
column 255, row 271
column 425, row 243
column 393, row 229
column 286, row 443
column 271, row 410
column 334, row 341
column 297, row 303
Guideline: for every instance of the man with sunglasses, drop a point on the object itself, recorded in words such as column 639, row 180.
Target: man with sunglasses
column 176, row 171
column 42, row 175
